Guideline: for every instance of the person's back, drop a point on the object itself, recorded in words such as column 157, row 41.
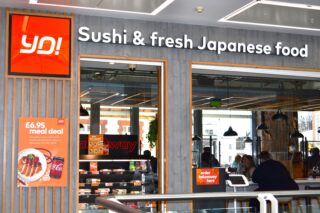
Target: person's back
column 208, row 160
column 272, row 175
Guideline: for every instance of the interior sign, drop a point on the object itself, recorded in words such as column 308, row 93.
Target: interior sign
column 39, row 45
column 85, row 34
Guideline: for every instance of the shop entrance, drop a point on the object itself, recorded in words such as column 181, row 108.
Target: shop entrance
column 121, row 134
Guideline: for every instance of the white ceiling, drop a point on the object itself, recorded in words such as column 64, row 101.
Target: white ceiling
column 180, row 11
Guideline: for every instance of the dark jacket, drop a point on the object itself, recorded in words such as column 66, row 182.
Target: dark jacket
column 271, row 175
column 208, row 160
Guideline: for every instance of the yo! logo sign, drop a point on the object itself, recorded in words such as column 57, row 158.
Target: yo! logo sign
column 39, row 45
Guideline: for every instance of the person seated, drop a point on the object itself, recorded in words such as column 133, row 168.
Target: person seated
column 236, row 164
column 313, row 161
column 271, row 175
column 248, row 166
column 208, row 159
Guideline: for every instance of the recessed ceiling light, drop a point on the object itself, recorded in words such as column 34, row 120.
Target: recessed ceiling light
column 199, row 9
column 150, row 9
column 111, row 63
column 275, row 14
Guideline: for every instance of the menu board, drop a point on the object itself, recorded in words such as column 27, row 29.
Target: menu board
column 207, row 176
column 113, row 145
column 43, row 152
column 96, row 145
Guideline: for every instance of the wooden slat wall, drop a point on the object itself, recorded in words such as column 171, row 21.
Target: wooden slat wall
column 32, row 97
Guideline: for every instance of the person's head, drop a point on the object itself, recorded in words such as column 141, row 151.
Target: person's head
column 247, row 161
column 206, row 157
column 264, row 156
column 147, row 153
column 207, row 149
column 315, row 151
column 296, row 157
column 237, row 158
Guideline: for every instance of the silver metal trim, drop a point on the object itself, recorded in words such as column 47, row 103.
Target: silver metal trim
column 213, row 195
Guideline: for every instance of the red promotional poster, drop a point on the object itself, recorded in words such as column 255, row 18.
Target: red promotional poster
column 39, row 45
column 207, row 176
column 43, row 152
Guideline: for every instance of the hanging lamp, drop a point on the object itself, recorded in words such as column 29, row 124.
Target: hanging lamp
column 196, row 138
column 83, row 111
column 230, row 131
column 279, row 116
column 248, row 140
column 296, row 134
column 262, row 126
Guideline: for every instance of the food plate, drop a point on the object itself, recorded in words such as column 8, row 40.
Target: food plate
column 34, row 169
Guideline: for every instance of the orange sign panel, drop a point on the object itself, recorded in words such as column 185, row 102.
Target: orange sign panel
column 39, row 45
column 43, row 152
column 208, row 176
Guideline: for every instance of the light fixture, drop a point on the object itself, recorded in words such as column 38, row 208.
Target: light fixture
column 196, row 138
column 250, row 14
column 296, row 134
column 154, row 11
column 230, row 132
column 279, row 116
column 262, row 126
column 248, row 140
column 83, row 111
column 199, row 9
column 132, row 67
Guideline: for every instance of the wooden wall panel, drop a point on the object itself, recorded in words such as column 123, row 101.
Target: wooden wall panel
column 31, row 97
column 2, row 97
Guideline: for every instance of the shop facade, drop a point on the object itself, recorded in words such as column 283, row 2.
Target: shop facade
column 31, row 96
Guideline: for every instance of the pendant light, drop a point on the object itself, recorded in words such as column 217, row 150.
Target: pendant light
column 296, row 134
column 248, row 140
column 83, row 111
column 230, row 132
column 279, row 116
column 196, row 138
column 262, row 126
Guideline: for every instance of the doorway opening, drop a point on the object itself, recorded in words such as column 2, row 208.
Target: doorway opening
column 121, row 128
